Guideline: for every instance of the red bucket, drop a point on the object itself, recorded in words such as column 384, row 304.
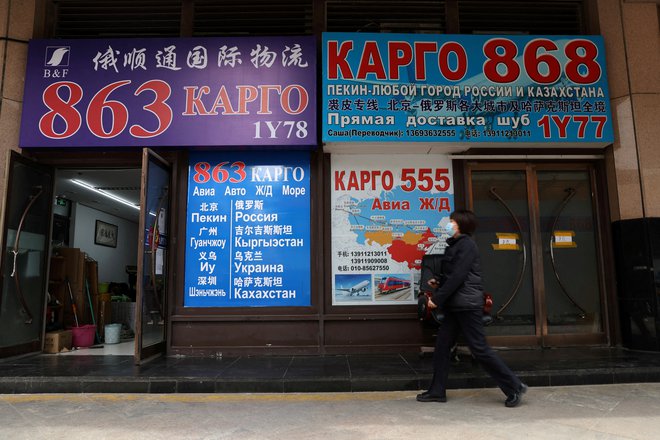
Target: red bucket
column 83, row 336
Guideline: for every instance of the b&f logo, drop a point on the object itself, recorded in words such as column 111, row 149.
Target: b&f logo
column 56, row 61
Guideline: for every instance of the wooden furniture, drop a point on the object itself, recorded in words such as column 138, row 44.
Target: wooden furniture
column 70, row 269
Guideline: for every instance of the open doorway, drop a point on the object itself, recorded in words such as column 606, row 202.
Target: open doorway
column 94, row 258
column 98, row 242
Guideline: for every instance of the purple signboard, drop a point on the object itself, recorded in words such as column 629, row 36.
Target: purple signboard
column 170, row 92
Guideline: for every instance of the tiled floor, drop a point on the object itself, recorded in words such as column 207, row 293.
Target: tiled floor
column 121, row 349
column 91, row 372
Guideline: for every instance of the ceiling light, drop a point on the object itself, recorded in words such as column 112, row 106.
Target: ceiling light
column 104, row 193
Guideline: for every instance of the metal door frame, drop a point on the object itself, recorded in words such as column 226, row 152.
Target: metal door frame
column 144, row 354
column 13, row 158
column 541, row 337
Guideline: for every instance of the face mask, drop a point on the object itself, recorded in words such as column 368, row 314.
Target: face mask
column 449, row 228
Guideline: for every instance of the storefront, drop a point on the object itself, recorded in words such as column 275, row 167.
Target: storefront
column 443, row 97
column 222, row 134
column 285, row 189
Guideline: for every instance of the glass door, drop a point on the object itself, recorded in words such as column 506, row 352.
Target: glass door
column 26, row 238
column 151, row 298
column 500, row 199
column 569, row 240
column 538, row 237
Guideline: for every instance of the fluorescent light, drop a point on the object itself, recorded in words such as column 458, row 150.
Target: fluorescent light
column 104, row 193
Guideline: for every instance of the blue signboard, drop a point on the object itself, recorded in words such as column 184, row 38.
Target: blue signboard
column 170, row 92
column 248, row 230
column 465, row 88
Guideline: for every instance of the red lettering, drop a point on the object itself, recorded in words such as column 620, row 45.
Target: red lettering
column 459, row 72
column 400, row 54
column 388, row 180
column 364, row 180
column 303, row 99
column 533, row 60
column 371, row 62
column 544, row 123
column 426, row 203
column 561, row 124
column 430, row 203
column 600, row 120
column 264, row 107
column 353, row 182
column 444, row 204
column 339, row 181
column 421, row 48
column 374, row 177
column 582, row 121
column 60, row 108
column 365, row 177
column 587, row 59
column 158, row 107
column 390, row 205
column 245, row 94
column 222, row 101
column 202, row 174
column 501, row 52
column 337, row 60
column 194, row 104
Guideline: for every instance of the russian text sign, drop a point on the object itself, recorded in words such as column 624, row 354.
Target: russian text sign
column 387, row 213
column 248, row 230
column 170, row 92
column 465, row 88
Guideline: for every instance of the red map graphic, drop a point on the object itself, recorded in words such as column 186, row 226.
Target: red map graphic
column 412, row 254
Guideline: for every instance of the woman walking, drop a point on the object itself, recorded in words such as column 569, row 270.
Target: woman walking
column 458, row 294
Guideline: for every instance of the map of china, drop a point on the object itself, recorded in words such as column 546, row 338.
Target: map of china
column 408, row 249
column 407, row 234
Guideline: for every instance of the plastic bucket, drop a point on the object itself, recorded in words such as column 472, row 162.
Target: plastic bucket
column 83, row 336
column 112, row 333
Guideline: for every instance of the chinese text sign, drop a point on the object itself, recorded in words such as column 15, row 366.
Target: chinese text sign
column 170, row 92
column 248, row 230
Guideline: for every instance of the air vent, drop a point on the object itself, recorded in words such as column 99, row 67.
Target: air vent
column 253, row 17
column 412, row 16
column 520, row 16
column 163, row 18
column 117, row 18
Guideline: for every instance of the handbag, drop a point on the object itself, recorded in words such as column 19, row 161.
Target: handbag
column 435, row 316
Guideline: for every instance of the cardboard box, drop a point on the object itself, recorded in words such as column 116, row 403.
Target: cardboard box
column 54, row 342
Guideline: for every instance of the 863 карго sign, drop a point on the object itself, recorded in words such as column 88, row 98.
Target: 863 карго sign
column 170, row 92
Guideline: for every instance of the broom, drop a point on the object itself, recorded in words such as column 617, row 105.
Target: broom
column 91, row 309
column 73, row 302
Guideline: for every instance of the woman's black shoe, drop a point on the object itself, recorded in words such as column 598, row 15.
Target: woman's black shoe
column 426, row 397
column 514, row 399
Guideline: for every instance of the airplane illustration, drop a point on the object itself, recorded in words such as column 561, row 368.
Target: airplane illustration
column 356, row 289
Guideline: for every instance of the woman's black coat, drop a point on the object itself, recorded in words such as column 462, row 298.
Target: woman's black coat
column 461, row 287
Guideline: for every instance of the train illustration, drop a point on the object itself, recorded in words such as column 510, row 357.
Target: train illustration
column 392, row 284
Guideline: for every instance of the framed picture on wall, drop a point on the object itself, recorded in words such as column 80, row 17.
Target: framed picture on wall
column 105, row 234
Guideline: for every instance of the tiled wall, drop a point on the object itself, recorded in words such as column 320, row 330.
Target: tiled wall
column 633, row 63
column 16, row 28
